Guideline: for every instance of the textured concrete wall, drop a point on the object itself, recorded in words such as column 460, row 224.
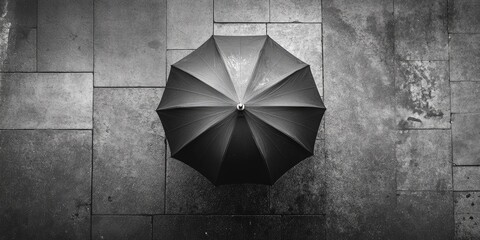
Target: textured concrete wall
column 83, row 154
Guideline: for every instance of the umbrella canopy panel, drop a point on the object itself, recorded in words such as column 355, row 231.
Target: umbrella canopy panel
column 241, row 110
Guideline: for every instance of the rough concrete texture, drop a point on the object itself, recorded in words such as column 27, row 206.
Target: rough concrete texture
column 466, row 178
column 466, row 139
column 45, row 182
column 122, row 227
column 241, row 11
column 422, row 94
column 421, row 30
column 21, row 53
column 424, row 160
column 467, row 226
column 425, row 215
column 189, row 24
column 303, row 227
column 65, row 35
column 128, row 152
column 465, row 97
column 239, row 29
column 464, row 57
column 360, row 140
column 467, row 202
column 295, row 10
column 46, row 100
column 83, row 153
column 464, row 16
column 128, row 50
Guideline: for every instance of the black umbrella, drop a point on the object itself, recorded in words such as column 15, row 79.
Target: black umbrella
column 241, row 110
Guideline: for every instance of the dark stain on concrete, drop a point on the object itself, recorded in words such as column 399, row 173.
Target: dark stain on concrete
column 155, row 44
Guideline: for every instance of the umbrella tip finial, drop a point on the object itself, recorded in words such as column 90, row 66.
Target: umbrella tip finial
column 240, row 107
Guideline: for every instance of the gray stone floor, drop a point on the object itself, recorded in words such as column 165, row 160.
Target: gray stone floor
column 83, row 154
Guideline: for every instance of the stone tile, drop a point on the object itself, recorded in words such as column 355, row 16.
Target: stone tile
column 465, row 97
column 303, row 227
column 421, row 30
column 45, row 181
column 425, row 215
column 422, row 94
column 19, row 13
column 466, row 178
column 130, row 43
column 122, row 227
column 424, row 160
column 464, row 57
column 467, row 226
column 466, row 136
column 239, row 29
column 241, row 11
column 244, row 227
column 295, row 11
column 65, row 35
column 46, row 100
column 129, row 152
column 180, row 227
column 190, row 23
column 302, row 189
column 20, row 54
column 189, row 192
column 174, row 56
column 305, row 42
column 467, row 202
column 463, row 16
column 359, row 96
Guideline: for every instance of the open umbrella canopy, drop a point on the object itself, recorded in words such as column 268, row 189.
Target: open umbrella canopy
column 241, row 109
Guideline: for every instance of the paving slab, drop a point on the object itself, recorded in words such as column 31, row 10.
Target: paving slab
column 465, row 97
column 463, row 16
column 465, row 139
column 20, row 54
column 241, row 11
column 359, row 96
column 129, row 152
column 467, row 202
column 244, row 227
column 46, row 100
column 467, row 226
column 295, row 10
column 130, row 43
column 180, row 227
column 424, row 215
column 422, row 94
column 464, row 57
column 239, row 29
column 122, row 227
column 424, row 160
column 421, row 30
column 303, row 227
column 466, row 178
column 65, row 36
column 190, row 23
column 45, row 181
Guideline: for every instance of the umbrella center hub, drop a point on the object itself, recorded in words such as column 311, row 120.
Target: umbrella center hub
column 240, row 107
